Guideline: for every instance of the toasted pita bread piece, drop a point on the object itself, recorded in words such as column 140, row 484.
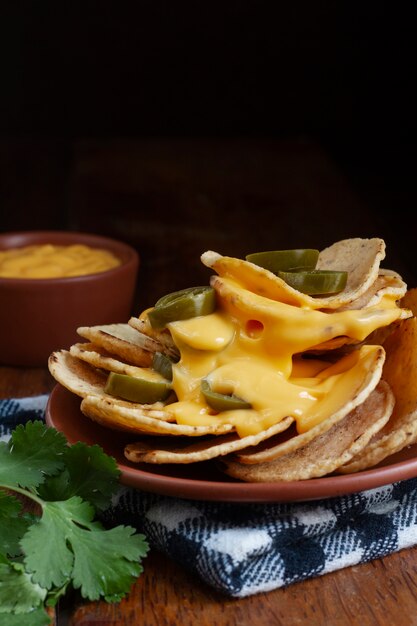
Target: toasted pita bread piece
column 409, row 301
column 75, row 375
column 325, row 330
column 168, row 452
column 361, row 258
column 119, row 339
column 409, row 308
column 80, row 378
column 374, row 362
column 400, row 371
column 326, row 452
column 140, row 419
column 385, row 285
column 100, row 358
column 155, row 340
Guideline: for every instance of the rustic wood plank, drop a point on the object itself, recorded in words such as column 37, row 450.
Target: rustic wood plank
column 19, row 383
column 365, row 595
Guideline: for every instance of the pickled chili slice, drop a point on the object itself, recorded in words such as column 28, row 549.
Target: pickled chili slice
column 285, row 260
column 316, row 282
column 134, row 389
column 162, row 364
column 182, row 305
column 222, row 402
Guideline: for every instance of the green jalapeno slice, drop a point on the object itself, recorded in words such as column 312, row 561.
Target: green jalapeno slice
column 285, row 260
column 141, row 390
column 316, row 282
column 222, row 402
column 162, row 364
column 182, row 305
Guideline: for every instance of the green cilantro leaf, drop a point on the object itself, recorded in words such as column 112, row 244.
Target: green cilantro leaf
column 47, row 543
column 89, row 473
column 33, row 451
column 12, row 524
column 36, row 617
column 66, row 543
column 107, row 563
column 18, row 593
column 42, row 555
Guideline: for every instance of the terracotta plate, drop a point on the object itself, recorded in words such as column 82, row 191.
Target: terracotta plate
column 202, row 481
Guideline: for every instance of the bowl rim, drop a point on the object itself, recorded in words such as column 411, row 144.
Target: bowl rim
column 131, row 259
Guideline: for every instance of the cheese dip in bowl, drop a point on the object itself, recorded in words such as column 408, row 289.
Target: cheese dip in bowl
column 53, row 261
column 51, row 282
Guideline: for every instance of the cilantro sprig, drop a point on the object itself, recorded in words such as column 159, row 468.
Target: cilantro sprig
column 61, row 544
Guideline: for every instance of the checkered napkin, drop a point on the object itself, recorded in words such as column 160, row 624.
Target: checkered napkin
column 243, row 549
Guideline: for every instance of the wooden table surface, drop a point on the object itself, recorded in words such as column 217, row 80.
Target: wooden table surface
column 380, row 593
column 175, row 201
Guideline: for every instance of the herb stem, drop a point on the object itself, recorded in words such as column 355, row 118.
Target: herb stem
column 24, row 492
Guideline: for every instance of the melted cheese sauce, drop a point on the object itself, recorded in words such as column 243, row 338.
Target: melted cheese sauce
column 252, row 347
column 52, row 261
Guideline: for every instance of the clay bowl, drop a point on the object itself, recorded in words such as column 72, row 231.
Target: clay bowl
column 38, row 316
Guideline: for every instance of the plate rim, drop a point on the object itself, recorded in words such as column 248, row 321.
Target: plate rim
column 325, row 487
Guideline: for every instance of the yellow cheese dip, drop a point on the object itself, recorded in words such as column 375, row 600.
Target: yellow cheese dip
column 53, row 261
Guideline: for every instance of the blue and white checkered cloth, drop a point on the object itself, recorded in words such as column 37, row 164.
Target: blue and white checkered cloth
column 243, row 549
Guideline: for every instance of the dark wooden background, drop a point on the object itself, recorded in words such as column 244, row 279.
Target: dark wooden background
column 294, row 122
